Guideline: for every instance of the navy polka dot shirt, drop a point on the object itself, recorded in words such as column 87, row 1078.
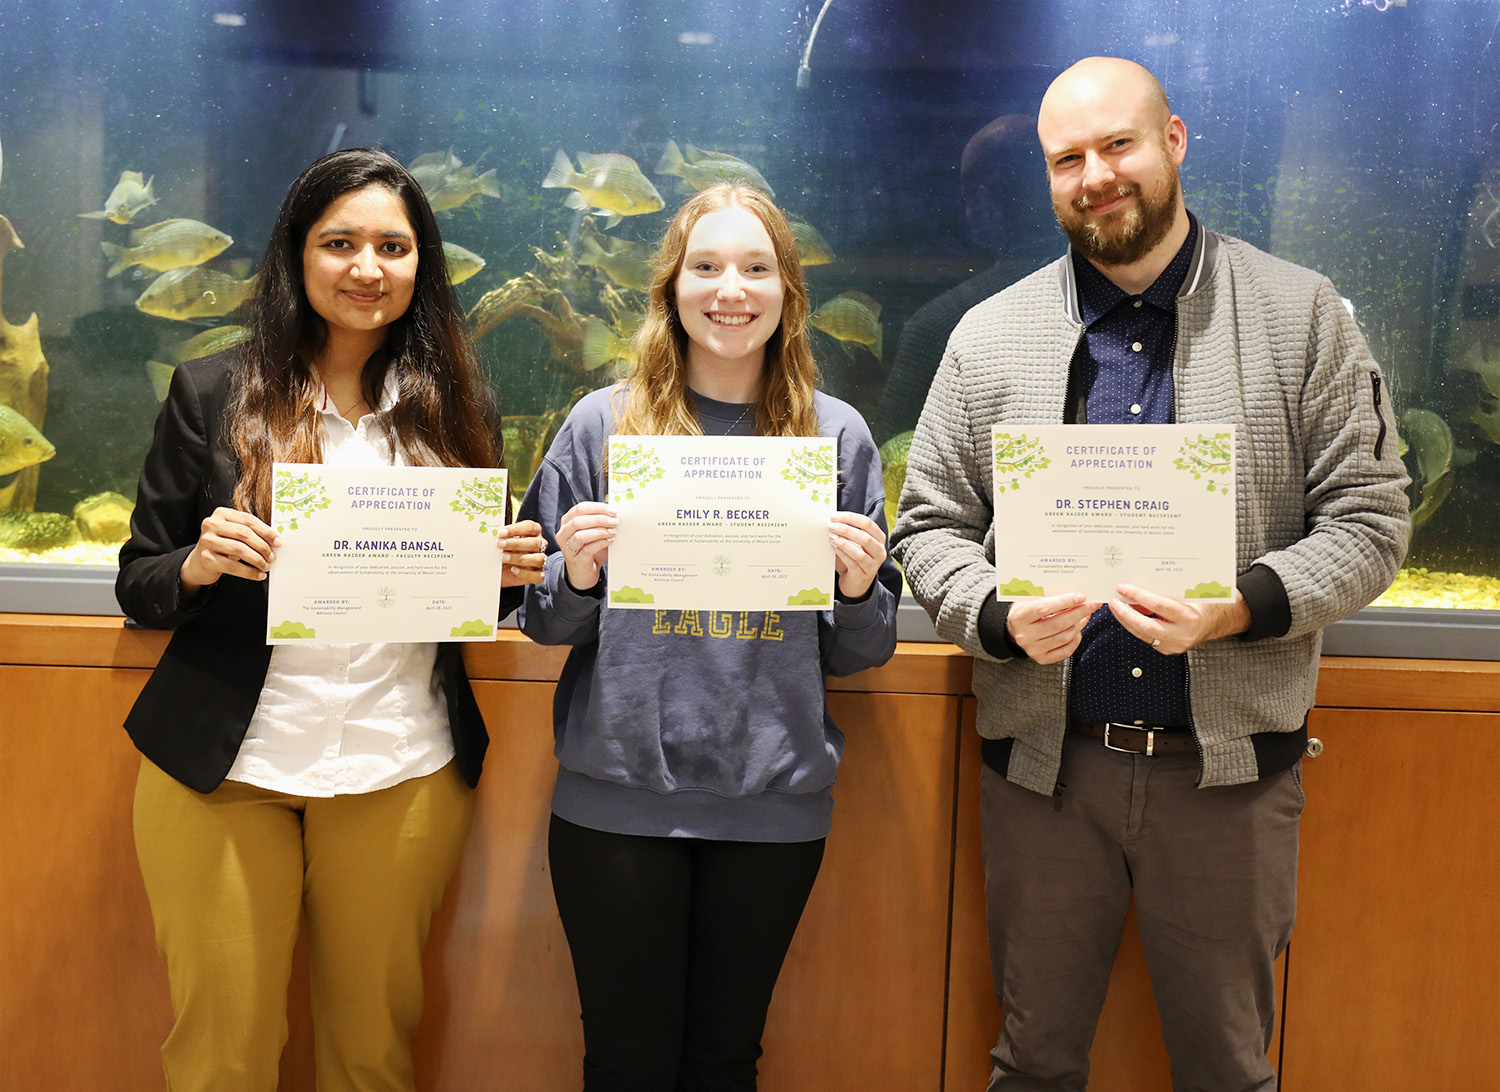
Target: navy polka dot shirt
column 1128, row 379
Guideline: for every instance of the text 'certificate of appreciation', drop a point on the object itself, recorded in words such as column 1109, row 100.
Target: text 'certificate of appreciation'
column 385, row 553
column 1082, row 508
column 722, row 522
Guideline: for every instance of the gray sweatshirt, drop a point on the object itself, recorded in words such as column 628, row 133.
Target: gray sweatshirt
column 702, row 724
column 1262, row 344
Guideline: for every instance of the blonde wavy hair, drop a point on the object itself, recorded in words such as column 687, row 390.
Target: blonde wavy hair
column 656, row 401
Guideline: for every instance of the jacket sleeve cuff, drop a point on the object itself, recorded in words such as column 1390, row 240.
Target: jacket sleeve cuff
column 1266, row 599
column 994, row 634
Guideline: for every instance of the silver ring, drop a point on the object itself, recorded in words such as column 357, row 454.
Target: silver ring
column 1156, row 642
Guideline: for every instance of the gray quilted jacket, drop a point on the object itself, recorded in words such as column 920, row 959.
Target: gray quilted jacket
column 1262, row 344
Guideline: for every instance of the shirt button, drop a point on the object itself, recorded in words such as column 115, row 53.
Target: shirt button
column 1135, row 408
column 1136, row 672
column 1140, row 722
column 343, row 668
column 1137, row 303
column 1135, row 347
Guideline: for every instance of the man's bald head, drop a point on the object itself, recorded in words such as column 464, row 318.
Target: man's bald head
column 1095, row 80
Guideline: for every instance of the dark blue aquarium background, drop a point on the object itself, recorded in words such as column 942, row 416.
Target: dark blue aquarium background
column 1360, row 138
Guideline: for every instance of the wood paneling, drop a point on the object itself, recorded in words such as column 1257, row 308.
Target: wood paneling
column 1128, row 1054
column 860, row 1001
column 1395, row 976
column 83, row 1002
column 1358, row 682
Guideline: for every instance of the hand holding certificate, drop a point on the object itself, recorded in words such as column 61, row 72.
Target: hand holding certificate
column 1086, row 508
column 385, row 553
column 719, row 523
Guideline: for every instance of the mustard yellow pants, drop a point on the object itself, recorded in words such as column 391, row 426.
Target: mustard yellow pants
column 228, row 874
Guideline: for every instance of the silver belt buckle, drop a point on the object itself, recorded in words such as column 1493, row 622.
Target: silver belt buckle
column 1150, row 738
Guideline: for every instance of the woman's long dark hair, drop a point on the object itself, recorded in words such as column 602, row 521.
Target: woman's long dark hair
column 444, row 413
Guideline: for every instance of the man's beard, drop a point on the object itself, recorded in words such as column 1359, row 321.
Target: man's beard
column 1122, row 238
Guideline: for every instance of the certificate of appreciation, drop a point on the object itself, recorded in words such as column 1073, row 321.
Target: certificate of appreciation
column 722, row 522
column 385, row 553
column 1082, row 508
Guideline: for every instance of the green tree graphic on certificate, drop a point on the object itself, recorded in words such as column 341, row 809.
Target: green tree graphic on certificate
column 1207, row 456
column 295, row 497
column 811, row 469
column 632, row 467
column 1017, row 456
column 481, row 499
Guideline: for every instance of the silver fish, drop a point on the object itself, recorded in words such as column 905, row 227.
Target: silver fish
column 132, row 194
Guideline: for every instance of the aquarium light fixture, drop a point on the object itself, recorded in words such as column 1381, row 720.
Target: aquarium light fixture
column 695, row 37
column 228, row 19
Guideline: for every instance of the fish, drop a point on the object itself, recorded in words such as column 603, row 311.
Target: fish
column 812, row 248
column 194, row 293
column 132, row 195
column 448, row 184
column 700, row 169
column 160, row 377
column 462, row 264
column 36, row 531
column 851, row 316
column 893, row 455
column 603, row 343
column 623, row 261
column 207, row 343
column 1489, row 422
column 1430, row 440
column 1485, row 365
column 171, row 244
column 21, row 442
column 611, row 183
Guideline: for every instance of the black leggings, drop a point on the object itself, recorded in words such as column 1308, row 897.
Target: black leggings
column 676, row 945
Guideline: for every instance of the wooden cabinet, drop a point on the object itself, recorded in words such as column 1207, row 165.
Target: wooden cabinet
column 1392, row 981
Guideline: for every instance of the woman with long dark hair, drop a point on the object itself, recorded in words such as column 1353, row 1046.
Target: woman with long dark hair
column 696, row 754
column 330, row 780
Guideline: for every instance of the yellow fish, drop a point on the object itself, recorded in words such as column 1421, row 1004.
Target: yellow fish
column 194, row 293
column 1485, row 365
column 132, row 194
column 160, row 377
column 448, row 183
column 623, row 261
column 602, row 343
column 170, row 244
column 462, row 264
column 893, row 454
column 611, row 183
column 700, row 169
column 812, row 248
column 851, row 316
column 21, row 445
column 207, row 343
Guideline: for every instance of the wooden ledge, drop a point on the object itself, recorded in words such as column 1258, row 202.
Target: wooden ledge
column 70, row 640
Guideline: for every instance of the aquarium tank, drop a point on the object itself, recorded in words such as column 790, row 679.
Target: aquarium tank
column 145, row 149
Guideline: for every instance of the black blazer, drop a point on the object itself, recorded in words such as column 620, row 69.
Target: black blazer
column 195, row 709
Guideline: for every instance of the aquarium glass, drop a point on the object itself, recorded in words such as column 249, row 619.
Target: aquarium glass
column 1359, row 137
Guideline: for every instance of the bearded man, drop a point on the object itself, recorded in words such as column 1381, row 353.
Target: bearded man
column 1150, row 748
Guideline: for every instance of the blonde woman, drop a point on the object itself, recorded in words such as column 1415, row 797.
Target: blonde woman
column 696, row 754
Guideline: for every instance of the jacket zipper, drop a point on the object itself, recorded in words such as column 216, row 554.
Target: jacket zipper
column 1380, row 436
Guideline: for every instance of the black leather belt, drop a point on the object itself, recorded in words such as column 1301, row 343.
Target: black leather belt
column 1145, row 740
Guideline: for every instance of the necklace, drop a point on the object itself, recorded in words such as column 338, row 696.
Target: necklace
column 743, row 413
